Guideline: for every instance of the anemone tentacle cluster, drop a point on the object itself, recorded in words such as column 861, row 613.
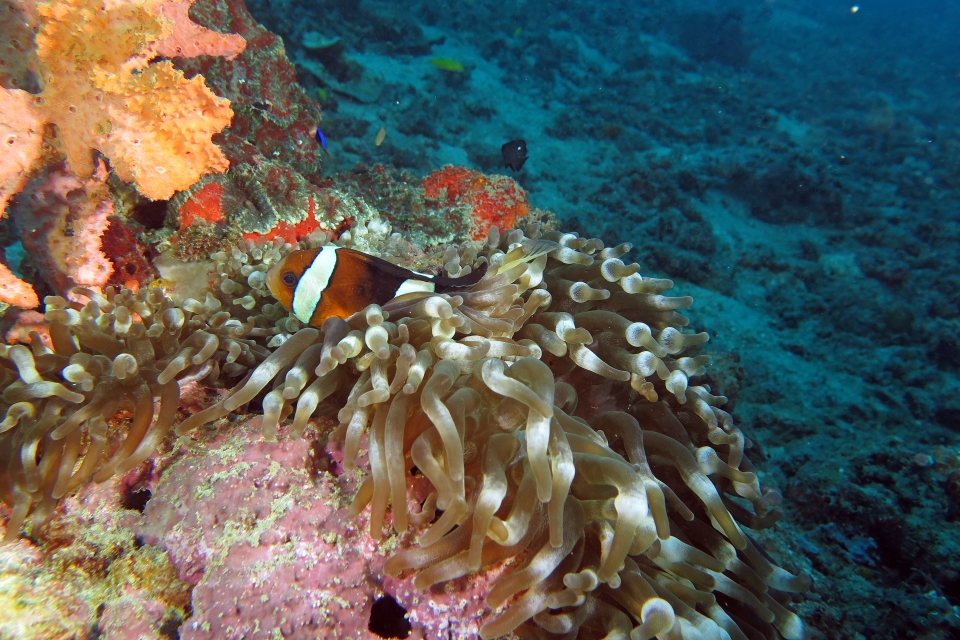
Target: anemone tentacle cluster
column 618, row 522
column 550, row 406
column 119, row 351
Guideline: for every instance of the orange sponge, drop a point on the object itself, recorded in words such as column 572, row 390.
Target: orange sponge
column 102, row 92
column 21, row 140
column 15, row 291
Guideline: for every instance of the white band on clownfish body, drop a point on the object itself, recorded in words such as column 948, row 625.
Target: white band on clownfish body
column 314, row 280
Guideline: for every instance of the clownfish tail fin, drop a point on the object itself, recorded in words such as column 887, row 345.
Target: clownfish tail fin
column 533, row 250
column 445, row 284
column 529, row 251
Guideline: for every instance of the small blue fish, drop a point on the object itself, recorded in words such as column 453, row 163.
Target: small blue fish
column 322, row 139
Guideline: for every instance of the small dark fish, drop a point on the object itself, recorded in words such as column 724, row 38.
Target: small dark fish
column 514, row 154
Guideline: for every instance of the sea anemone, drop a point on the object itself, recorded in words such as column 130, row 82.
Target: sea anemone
column 550, row 407
column 626, row 520
column 120, row 354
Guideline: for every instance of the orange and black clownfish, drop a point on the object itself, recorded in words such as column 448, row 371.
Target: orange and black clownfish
column 316, row 284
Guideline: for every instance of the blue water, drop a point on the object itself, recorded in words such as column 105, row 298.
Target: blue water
column 795, row 166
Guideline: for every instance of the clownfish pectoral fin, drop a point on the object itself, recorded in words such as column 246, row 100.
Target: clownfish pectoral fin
column 531, row 250
column 415, row 285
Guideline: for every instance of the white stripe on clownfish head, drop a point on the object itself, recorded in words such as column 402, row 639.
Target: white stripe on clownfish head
column 410, row 286
column 314, row 280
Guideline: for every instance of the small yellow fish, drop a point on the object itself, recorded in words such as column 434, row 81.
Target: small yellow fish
column 381, row 135
column 517, row 32
column 447, row 64
column 321, row 94
column 167, row 286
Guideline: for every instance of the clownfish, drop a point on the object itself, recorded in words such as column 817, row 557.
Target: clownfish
column 316, row 284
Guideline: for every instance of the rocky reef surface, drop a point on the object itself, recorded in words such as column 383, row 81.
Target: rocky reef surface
column 798, row 191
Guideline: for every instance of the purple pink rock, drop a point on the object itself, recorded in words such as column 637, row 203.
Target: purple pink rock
column 262, row 532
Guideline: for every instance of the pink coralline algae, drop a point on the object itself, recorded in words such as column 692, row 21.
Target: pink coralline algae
column 74, row 239
column 133, row 616
column 262, row 531
column 61, row 220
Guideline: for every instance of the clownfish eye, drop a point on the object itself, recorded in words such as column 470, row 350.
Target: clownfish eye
column 289, row 278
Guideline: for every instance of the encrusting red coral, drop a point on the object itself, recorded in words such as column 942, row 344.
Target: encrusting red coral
column 492, row 200
column 204, row 203
column 132, row 266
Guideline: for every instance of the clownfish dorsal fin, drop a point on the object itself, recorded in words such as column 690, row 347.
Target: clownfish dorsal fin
column 441, row 283
column 534, row 249
column 380, row 265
